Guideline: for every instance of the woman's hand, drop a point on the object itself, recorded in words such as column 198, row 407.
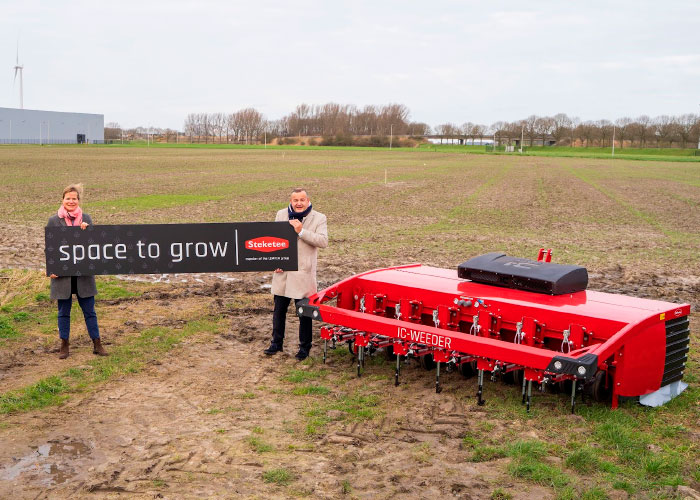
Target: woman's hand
column 53, row 276
column 83, row 225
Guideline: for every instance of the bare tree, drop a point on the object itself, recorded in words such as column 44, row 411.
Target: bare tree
column 604, row 132
column 442, row 131
column 561, row 125
column 478, row 131
column 467, row 130
column 642, row 129
column 695, row 132
column 586, row 132
column 499, row 131
column 113, row 131
column 684, row 128
column 622, row 131
column 250, row 123
column 544, row 127
column 418, row 129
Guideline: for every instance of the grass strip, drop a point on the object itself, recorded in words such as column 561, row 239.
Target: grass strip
column 155, row 201
column 637, row 154
column 47, row 392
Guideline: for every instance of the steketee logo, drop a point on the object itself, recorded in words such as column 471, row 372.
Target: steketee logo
column 266, row 244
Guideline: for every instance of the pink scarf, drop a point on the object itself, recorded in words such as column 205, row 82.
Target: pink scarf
column 73, row 218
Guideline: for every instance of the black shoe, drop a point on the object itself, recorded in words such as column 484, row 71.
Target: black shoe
column 302, row 355
column 273, row 349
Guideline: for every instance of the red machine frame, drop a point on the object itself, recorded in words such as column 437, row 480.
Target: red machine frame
column 618, row 345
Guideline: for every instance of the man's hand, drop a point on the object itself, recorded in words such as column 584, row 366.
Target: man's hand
column 278, row 270
column 53, row 276
column 83, row 225
column 296, row 225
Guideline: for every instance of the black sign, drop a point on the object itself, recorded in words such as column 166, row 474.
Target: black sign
column 170, row 248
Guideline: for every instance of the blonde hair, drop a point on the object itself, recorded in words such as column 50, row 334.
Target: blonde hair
column 73, row 188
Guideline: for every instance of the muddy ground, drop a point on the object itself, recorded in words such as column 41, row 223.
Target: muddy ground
column 183, row 426
column 191, row 424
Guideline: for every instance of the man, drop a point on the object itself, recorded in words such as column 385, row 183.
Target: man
column 312, row 234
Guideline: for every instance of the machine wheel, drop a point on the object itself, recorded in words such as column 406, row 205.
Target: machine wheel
column 599, row 392
column 351, row 347
column 389, row 353
column 427, row 362
column 467, row 370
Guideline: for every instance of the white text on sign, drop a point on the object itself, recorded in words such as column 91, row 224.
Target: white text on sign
column 421, row 337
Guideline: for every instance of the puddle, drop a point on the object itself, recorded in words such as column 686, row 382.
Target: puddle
column 49, row 464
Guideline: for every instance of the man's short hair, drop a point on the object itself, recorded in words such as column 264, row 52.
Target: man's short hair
column 301, row 190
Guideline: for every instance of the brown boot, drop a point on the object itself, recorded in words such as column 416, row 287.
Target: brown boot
column 63, row 352
column 97, row 348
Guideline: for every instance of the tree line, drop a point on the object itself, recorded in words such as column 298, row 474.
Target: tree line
column 562, row 130
column 344, row 124
column 326, row 120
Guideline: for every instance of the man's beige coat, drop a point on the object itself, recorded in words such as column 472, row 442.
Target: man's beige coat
column 302, row 283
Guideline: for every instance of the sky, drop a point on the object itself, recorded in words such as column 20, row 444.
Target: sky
column 152, row 62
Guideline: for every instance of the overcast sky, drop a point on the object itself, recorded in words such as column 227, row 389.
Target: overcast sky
column 152, row 62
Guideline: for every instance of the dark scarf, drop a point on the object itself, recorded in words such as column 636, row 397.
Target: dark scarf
column 298, row 215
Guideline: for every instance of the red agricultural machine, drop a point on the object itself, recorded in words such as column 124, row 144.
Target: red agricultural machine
column 520, row 320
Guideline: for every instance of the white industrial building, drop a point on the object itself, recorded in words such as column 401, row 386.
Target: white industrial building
column 28, row 126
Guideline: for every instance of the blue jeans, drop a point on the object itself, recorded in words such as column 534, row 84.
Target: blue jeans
column 87, row 304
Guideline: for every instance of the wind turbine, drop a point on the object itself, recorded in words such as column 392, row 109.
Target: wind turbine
column 19, row 69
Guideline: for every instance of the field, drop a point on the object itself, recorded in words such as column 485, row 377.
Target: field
column 188, row 406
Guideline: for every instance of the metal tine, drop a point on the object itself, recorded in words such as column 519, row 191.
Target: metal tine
column 480, row 392
column 398, row 370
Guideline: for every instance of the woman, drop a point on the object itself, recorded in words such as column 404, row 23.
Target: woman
column 63, row 288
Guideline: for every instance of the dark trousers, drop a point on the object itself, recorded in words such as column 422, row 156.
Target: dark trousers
column 279, row 317
column 87, row 304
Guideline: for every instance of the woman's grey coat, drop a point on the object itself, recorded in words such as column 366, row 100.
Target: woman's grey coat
column 60, row 287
